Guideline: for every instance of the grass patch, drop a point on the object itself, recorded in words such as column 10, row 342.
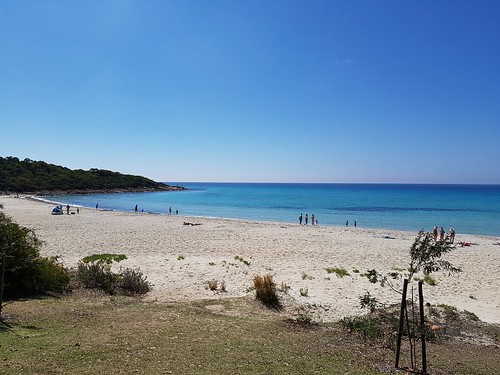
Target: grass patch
column 86, row 334
column 340, row 272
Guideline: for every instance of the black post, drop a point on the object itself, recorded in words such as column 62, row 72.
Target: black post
column 1, row 284
column 401, row 321
column 422, row 326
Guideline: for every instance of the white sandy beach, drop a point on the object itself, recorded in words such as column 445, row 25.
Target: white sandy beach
column 180, row 260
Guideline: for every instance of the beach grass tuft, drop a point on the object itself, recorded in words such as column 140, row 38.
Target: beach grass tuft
column 265, row 291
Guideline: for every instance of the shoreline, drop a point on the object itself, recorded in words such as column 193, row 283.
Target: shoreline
column 180, row 260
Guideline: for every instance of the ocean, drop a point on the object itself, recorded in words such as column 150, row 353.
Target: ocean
column 472, row 209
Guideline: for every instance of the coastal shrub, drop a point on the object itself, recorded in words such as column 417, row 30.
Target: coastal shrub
column 265, row 291
column 94, row 272
column 96, row 275
column 304, row 292
column 26, row 272
column 133, row 282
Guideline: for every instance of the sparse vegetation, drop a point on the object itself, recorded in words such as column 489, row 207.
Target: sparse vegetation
column 340, row 272
column 181, row 257
column 429, row 280
column 305, row 276
column 246, row 262
column 369, row 302
column 304, row 292
column 372, row 276
column 212, row 285
column 215, row 286
column 284, row 287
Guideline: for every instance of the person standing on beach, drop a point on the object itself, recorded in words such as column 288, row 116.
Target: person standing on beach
column 307, row 219
column 452, row 235
column 67, row 209
column 135, row 208
column 300, row 219
column 312, row 219
column 435, row 233
column 441, row 234
column 347, row 223
column 170, row 210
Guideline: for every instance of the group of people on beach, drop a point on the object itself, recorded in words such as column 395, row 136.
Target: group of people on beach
column 451, row 235
column 314, row 221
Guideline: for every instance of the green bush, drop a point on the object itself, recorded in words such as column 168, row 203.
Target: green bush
column 94, row 272
column 26, row 272
column 96, row 275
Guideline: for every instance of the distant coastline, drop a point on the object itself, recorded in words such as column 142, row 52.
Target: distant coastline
column 41, row 178
column 53, row 193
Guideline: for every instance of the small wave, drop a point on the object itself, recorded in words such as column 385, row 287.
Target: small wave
column 403, row 209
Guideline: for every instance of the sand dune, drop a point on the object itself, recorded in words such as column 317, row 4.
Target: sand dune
column 180, row 260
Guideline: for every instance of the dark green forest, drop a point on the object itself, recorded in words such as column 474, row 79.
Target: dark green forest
column 23, row 176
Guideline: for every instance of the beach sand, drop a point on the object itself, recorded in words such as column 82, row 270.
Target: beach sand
column 180, row 260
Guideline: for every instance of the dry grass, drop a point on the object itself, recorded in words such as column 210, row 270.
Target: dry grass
column 97, row 333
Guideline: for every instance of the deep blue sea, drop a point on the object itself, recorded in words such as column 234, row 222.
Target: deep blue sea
column 473, row 209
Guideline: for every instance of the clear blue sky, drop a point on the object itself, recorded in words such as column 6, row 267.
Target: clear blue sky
column 286, row 91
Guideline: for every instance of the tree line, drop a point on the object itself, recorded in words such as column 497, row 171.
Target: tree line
column 23, row 176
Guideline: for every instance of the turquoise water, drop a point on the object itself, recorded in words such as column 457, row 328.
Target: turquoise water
column 473, row 209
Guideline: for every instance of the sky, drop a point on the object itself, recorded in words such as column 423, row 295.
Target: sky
column 255, row 91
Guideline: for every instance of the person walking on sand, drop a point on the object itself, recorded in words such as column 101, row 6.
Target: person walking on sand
column 441, row 234
column 300, row 219
column 307, row 219
column 435, row 233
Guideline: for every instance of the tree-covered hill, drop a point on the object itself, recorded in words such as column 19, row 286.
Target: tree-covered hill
column 23, row 176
